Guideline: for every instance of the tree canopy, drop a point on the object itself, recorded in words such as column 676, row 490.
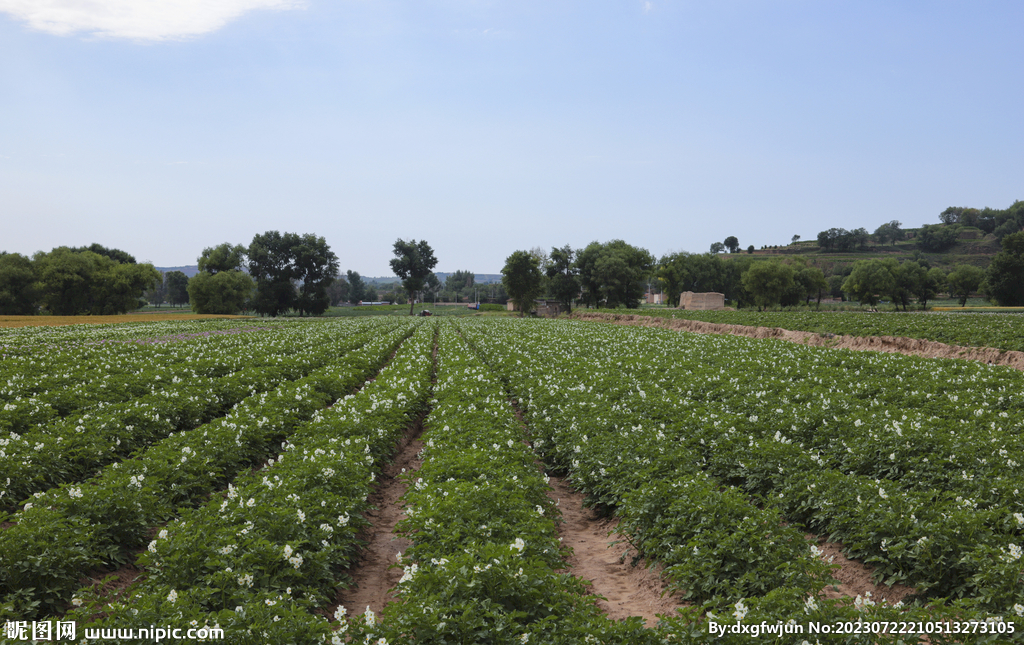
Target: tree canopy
column 521, row 277
column 356, row 287
column 221, row 287
column 768, row 282
column 563, row 276
column 965, row 280
column 18, row 289
column 177, row 287
column 291, row 271
column 412, row 263
column 74, row 282
column 1005, row 276
column 868, row 280
column 614, row 274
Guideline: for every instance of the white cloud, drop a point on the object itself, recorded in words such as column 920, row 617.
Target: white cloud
column 647, row 6
column 136, row 19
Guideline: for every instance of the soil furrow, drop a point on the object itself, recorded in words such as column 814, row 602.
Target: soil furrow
column 628, row 590
column 373, row 578
column 855, row 577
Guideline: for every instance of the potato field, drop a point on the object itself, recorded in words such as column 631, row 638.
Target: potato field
column 222, row 474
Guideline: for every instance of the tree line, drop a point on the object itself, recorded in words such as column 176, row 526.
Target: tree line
column 281, row 272
column 617, row 274
column 610, row 274
column 67, row 281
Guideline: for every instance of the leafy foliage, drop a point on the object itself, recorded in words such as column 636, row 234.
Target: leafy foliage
column 413, row 262
column 521, row 278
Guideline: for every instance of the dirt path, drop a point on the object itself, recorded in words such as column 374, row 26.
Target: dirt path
column 629, row 590
column 890, row 344
column 371, row 577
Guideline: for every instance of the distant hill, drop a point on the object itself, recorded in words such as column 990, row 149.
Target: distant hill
column 190, row 270
column 478, row 278
column 973, row 246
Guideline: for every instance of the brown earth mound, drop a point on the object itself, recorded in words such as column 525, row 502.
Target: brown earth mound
column 890, row 344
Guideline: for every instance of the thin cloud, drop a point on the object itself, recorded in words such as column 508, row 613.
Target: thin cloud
column 135, row 19
column 647, row 6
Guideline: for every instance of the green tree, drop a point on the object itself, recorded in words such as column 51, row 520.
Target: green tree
column 315, row 266
column 221, row 287
column 357, row 288
column 965, row 280
column 157, row 294
column 732, row 244
column 117, row 255
column 951, row 215
column 812, row 283
column 868, row 280
column 431, row 286
column 224, row 292
column 521, row 277
column 717, row 247
column 83, row 282
column 933, row 282
column 768, row 282
column 935, row 238
column 18, row 290
column 563, row 276
column 750, row 249
column 674, row 273
column 1005, row 276
column 65, row 278
column 338, row 291
column 412, row 263
column 177, row 287
column 614, row 273
column 224, row 257
column 459, row 283
column 889, row 232
column 906, row 281
column 270, row 265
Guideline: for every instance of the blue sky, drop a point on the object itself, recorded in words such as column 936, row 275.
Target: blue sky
column 164, row 126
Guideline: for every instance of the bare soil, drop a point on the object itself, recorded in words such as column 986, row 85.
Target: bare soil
column 627, row 590
column 372, row 577
column 855, row 577
column 890, row 344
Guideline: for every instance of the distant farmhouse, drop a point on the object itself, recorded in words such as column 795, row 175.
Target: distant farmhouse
column 707, row 301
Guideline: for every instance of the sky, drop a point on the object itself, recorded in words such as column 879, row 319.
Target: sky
column 165, row 126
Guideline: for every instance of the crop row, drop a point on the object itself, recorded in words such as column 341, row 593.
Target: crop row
column 641, row 418
column 54, row 368
column 69, row 530
column 484, row 563
column 260, row 559
column 42, row 386
column 1002, row 331
column 75, row 447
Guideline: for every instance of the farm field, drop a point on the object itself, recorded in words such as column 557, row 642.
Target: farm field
column 51, row 321
column 219, row 473
column 998, row 330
